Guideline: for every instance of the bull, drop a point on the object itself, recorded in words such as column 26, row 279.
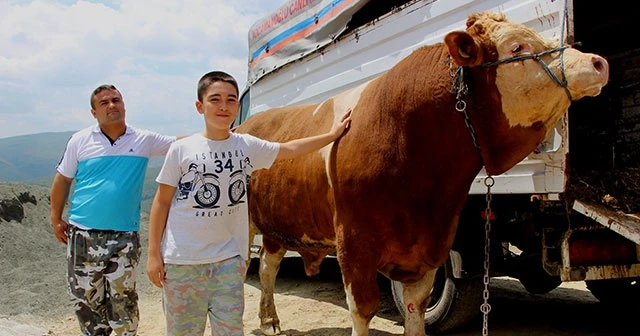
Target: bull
column 386, row 197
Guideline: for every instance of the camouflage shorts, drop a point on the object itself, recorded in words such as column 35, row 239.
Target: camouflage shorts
column 101, row 277
column 193, row 291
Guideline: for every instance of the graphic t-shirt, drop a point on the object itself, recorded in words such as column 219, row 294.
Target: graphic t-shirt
column 209, row 216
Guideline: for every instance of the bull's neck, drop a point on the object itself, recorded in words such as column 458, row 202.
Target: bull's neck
column 416, row 95
column 502, row 146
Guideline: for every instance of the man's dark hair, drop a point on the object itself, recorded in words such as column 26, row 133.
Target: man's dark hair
column 100, row 89
column 212, row 77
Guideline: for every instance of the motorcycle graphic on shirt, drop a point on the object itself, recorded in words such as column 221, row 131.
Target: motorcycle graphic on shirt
column 239, row 182
column 237, row 187
column 203, row 187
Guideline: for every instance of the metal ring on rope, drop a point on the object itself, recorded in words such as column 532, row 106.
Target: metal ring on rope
column 489, row 181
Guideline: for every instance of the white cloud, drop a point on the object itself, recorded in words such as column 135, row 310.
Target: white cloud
column 54, row 53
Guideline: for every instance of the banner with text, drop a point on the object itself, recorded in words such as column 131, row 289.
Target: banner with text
column 294, row 30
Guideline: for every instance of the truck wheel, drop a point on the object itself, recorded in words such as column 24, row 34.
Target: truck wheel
column 615, row 291
column 454, row 302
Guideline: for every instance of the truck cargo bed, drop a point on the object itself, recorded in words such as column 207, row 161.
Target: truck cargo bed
column 604, row 147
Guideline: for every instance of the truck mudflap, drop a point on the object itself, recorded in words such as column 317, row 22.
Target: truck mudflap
column 610, row 250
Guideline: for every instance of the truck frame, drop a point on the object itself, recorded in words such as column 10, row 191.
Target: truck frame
column 568, row 212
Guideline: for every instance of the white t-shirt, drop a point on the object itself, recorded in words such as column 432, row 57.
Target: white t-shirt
column 209, row 216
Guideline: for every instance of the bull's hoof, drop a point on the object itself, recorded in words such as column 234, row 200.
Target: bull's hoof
column 270, row 327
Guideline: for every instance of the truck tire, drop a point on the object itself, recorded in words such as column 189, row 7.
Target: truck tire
column 454, row 302
column 615, row 292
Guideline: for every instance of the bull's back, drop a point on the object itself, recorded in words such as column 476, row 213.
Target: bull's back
column 291, row 202
column 283, row 124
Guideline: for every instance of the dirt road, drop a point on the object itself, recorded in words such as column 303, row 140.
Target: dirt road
column 316, row 307
column 34, row 302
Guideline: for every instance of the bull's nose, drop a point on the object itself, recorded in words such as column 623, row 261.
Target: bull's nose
column 601, row 65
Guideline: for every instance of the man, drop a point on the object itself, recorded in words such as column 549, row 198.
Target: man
column 108, row 162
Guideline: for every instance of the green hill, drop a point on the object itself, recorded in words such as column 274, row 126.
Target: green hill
column 32, row 159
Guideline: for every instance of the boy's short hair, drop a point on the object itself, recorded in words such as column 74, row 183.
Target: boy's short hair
column 212, row 77
column 100, row 89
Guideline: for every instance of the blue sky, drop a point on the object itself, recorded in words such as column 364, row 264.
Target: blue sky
column 53, row 53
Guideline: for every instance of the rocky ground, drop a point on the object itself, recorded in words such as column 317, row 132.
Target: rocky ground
column 34, row 302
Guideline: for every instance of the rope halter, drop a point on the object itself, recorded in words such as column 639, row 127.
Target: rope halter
column 538, row 58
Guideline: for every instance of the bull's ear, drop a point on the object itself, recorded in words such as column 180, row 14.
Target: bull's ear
column 463, row 48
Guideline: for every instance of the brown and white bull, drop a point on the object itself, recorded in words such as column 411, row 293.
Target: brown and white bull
column 387, row 195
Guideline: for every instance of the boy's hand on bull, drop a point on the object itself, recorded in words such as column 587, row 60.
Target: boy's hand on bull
column 339, row 128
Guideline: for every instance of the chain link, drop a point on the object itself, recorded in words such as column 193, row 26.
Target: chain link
column 485, row 308
column 460, row 89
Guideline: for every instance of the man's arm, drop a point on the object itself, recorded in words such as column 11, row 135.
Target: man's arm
column 59, row 194
column 157, row 223
column 295, row 148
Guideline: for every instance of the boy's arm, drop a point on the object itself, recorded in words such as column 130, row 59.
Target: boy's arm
column 295, row 148
column 157, row 223
column 59, row 194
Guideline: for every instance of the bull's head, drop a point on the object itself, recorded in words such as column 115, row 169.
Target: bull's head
column 536, row 78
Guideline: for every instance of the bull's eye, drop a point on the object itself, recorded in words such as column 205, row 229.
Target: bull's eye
column 516, row 49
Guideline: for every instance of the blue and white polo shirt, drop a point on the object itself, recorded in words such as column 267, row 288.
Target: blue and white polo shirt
column 109, row 177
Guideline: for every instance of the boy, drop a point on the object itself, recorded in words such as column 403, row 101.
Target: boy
column 198, row 243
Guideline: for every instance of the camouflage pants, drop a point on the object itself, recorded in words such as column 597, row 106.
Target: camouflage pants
column 191, row 292
column 102, row 283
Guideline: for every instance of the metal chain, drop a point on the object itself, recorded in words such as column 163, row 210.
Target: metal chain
column 459, row 87
column 485, row 307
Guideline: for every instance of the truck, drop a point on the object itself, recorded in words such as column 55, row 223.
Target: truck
column 568, row 212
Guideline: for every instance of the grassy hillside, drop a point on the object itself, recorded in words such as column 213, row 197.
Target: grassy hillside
column 32, row 159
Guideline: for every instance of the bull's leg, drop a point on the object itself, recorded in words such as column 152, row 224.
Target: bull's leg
column 269, row 267
column 359, row 276
column 416, row 298
column 253, row 231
